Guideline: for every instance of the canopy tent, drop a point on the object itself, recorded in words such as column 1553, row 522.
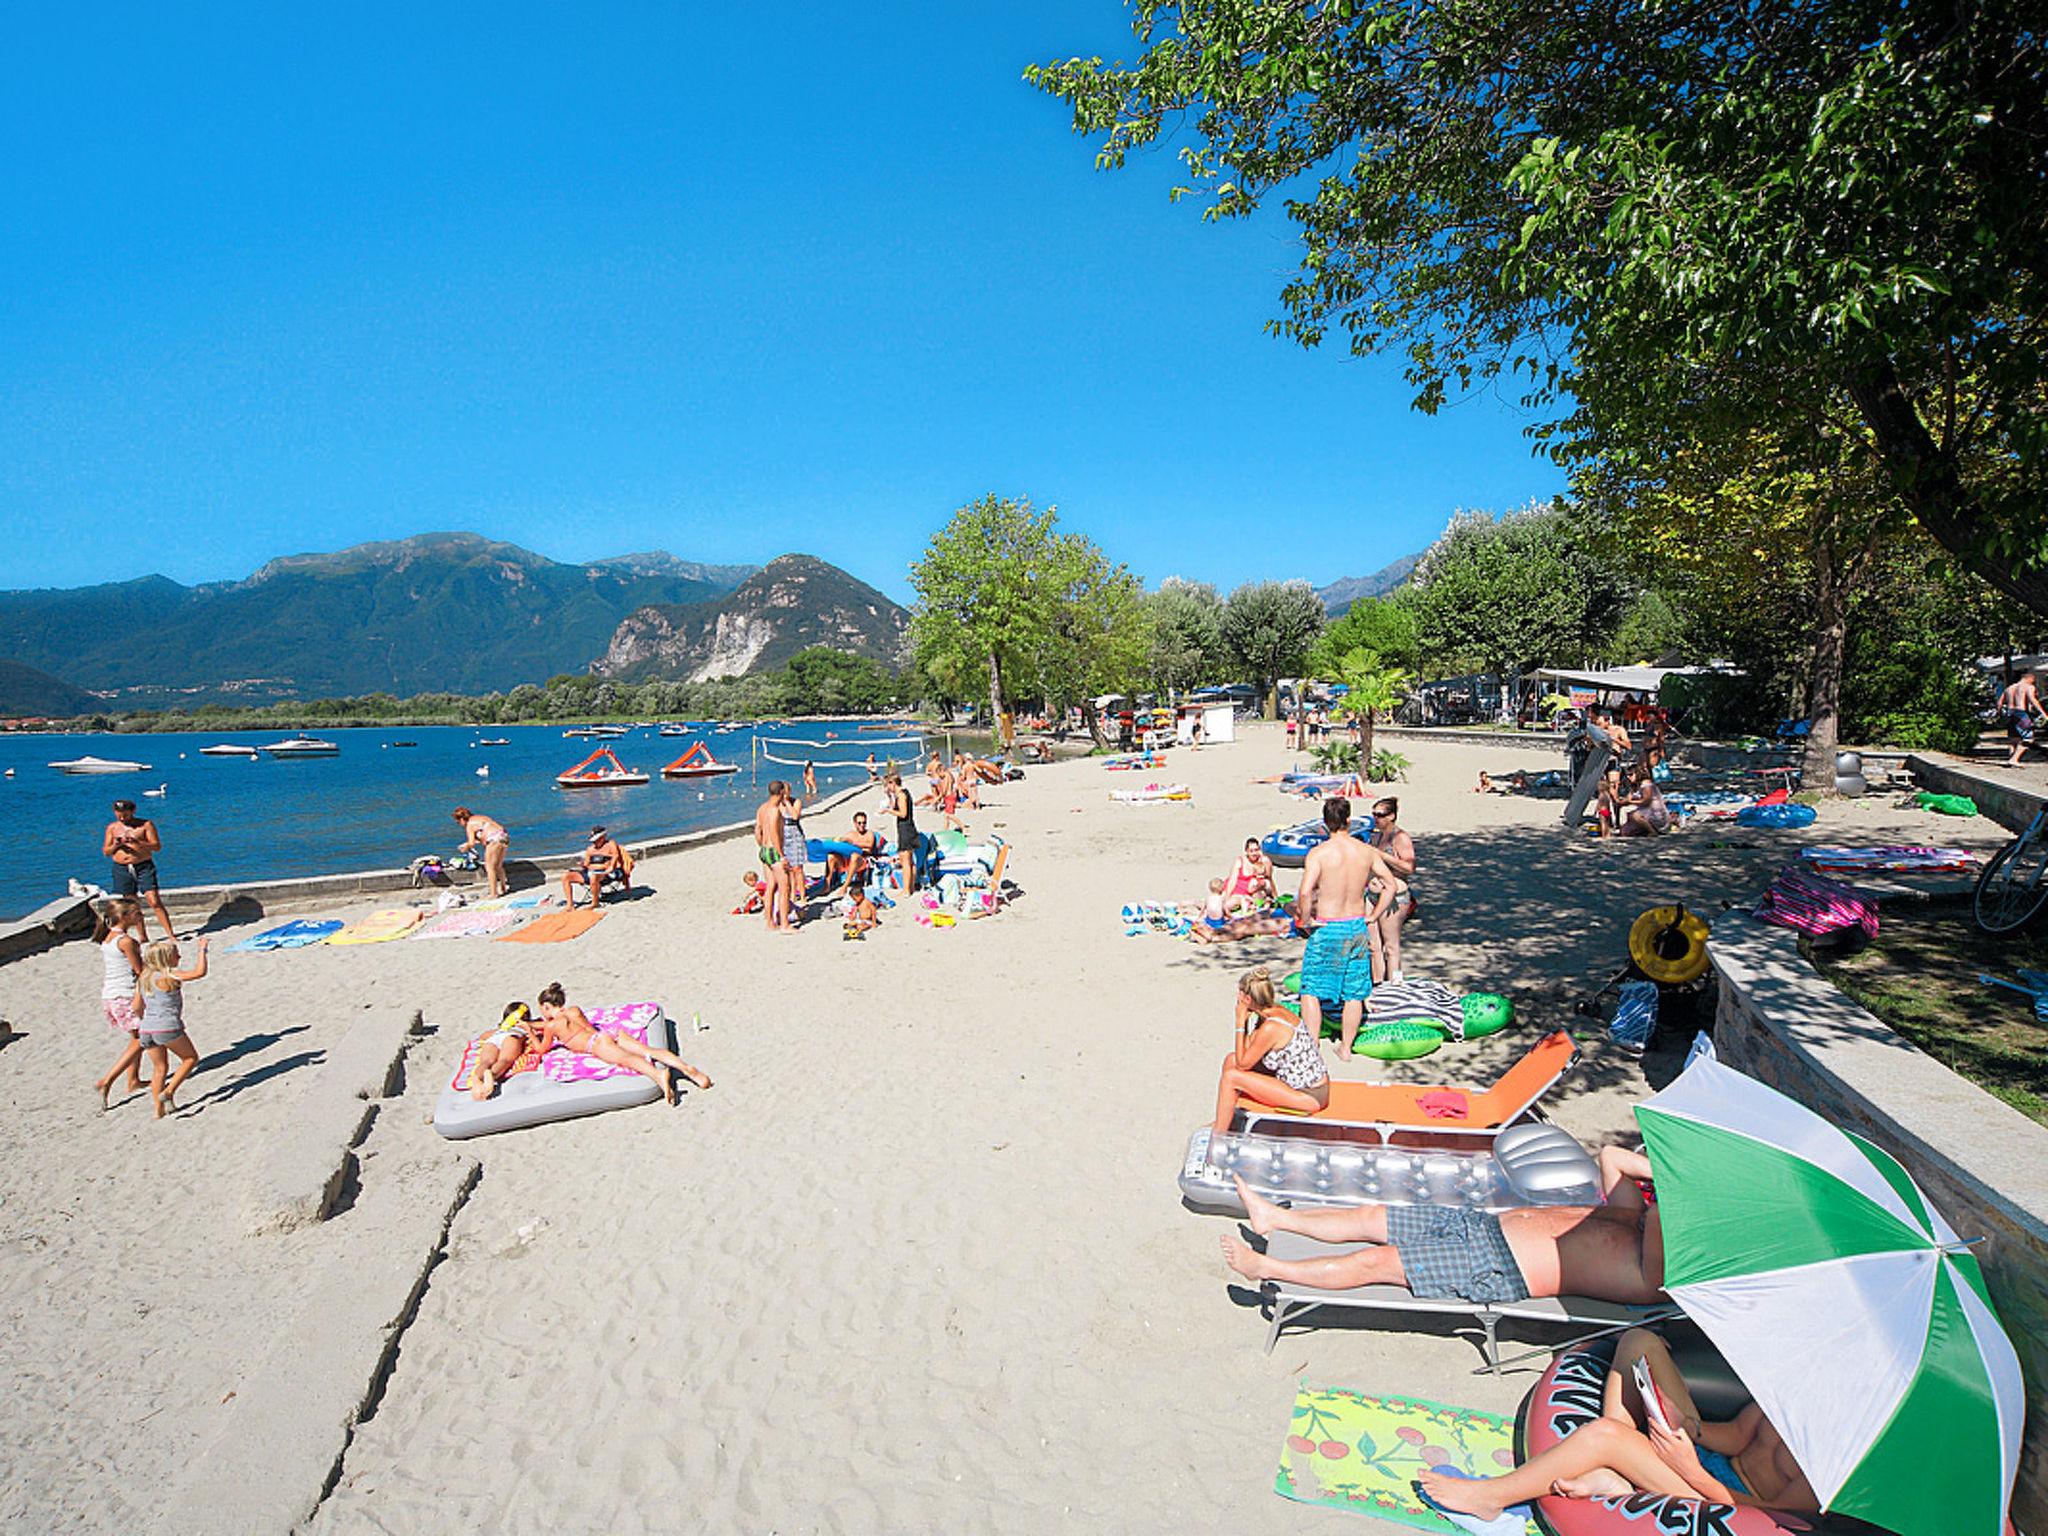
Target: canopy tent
column 1644, row 680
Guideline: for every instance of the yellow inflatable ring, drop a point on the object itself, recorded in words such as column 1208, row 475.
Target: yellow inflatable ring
column 1669, row 945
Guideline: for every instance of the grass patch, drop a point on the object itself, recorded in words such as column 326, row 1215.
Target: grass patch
column 1920, row 977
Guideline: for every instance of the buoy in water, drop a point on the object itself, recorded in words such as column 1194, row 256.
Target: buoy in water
column 484, row 772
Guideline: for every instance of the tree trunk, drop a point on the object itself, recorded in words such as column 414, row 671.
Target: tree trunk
column 1365, row 747
column 1269, row 697
column 998, row 718
column 1925, row 475
column 1092, row 718
column 1824, row 686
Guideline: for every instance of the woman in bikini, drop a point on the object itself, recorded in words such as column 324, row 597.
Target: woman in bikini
column 1397, row 848
column 480, row 831
column 570, row 1028
column 1274, row 1059
column 498, row 1053
column 1251, row 879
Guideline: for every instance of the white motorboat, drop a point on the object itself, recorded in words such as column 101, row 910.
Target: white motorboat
column 302, row 746
column 228, row 749
column 100, row 765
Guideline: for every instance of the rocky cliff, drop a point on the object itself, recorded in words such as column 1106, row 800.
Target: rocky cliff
column 789, row 605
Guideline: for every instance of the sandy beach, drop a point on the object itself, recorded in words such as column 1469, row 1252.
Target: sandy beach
column 915, row 1262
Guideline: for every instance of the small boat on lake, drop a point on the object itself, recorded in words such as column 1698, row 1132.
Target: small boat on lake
column 100, row 765
column 592, row 773
column 698, row 763
column 302, row 746
column 492, row 741
column 228, row 749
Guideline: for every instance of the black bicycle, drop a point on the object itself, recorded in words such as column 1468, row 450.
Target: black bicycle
column 2014, row 886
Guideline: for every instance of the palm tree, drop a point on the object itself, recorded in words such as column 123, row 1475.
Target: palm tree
column 1373, row 687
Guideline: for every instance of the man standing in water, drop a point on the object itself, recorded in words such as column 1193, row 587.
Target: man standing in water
column 1343, row 938
column 768, row 828
column 133, row 844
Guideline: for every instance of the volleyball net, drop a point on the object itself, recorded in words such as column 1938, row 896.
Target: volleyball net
column 841, row 756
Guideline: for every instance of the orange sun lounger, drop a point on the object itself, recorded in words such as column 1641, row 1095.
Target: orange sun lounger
column 1512, row 1096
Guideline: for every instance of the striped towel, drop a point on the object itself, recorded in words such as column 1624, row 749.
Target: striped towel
column 1891, row 860
column 1420, row 1002
column 1814, row 906
column 1635, row 1015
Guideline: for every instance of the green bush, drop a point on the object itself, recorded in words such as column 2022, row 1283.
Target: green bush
column 1387, row 767
column 1719, row 705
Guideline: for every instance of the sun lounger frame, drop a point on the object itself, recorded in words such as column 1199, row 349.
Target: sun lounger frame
column 1284, row 1303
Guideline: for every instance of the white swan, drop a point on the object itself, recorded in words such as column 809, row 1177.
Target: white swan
column 158, row 793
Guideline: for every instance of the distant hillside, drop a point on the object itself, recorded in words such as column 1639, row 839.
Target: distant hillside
column 1346, row 590
column 442, row 611
column 26, row 691
column 789, row 605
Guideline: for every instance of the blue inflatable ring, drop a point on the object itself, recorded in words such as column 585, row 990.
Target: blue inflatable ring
column 1776, row 817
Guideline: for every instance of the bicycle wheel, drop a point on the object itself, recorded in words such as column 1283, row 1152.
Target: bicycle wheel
column 2014, row 885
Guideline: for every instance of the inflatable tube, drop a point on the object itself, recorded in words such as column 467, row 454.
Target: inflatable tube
column 1566, row 1396
column 1775, row 818
column 1486, row 1013
column 818, row 849
column 1669, row 945
column 1399, row 1041
column 1289, row 847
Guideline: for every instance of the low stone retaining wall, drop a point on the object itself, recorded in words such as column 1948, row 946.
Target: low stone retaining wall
column 1982, row 1162
column 68, row 917
column 2007, row 804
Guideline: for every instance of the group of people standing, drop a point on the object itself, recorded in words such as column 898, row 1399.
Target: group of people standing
column 142, row 994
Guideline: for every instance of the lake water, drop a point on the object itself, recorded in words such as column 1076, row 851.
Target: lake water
column 375, row 806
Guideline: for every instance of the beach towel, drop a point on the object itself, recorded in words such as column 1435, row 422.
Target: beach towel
column 1422, row 1002
column 565, row 1066
column 1635, row 1015
column 1152, row 794
column 1809, row 904
column 1904, row 861
column 296, row 934
column 1352, row 1451
column 380, row 927
column 520, row 902
column 469, row 923
column 554, row 927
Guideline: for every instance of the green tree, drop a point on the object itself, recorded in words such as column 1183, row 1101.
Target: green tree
column 1187, row 636
column 1383, row 625
column 1097, row 635
column 1530, row 588
column 1649, row 630
column 1268, row 629
column 981, row 593
column 1716, row 218
column 1373, row 687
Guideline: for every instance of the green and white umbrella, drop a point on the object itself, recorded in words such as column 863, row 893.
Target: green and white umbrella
column 1854, row 1314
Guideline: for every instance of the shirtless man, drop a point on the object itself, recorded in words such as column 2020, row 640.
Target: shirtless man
column 869, row 844
column 1614, row 1251
column 768, row 848
column 132, row 843
column 1398, row 849
column 1623, row 1451
column 2020, row 703
column 1343, row 956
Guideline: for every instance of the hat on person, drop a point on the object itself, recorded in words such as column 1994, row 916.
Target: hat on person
column 597, row 834
column 124, row 805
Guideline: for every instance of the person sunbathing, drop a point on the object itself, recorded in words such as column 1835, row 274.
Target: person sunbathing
column 498, row 1053
column 570, row 1028
column 1271, row 925
column 1274, row 1059
column 1625, row 1451
column 1613, row 1251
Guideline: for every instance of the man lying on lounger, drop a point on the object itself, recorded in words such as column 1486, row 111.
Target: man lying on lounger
column 1613, row 1251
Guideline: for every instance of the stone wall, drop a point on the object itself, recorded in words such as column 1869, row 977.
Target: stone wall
column 1983, row 1163
column 2007, row 804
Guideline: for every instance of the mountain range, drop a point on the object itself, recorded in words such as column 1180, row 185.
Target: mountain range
column 449, row 612
column 1340, row 594
column 790, row 604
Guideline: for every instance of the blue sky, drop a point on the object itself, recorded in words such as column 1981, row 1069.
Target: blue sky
column 729, row 281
